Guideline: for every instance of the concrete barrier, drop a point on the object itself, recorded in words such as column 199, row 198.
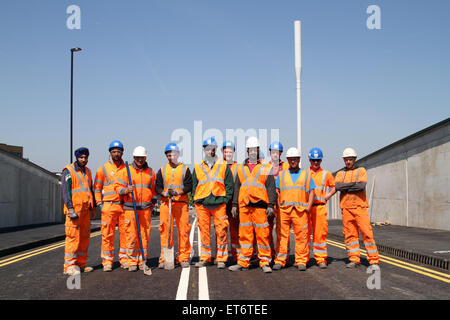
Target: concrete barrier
column 409, row 180
column 29, row 194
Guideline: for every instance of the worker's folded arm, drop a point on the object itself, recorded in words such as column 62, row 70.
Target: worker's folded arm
column 159, row 186
column 271, row 190
column 356, row 187
column 237, row 187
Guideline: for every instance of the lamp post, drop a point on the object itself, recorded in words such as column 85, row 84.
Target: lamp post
column 71, row 101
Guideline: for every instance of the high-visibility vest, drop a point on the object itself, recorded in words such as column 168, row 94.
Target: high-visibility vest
column 144, row 182
column 173, row 179
column 104, row 182
column 81, row 189
column 210, row 181
column 234, row 168
column 352, row 199
column 294, row 194
column 319, row 178
column 253, row 185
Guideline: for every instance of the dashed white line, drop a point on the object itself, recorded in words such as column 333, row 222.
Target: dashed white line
column 184, row 278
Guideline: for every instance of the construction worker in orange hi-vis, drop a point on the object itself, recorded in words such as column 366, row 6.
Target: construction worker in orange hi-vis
column 143, row 185
column 351, row 182
column 255, row 196
column 318, row 224
column 212, row 186
column 296, row 194
column 174, row 180
column 112, row 210
column 79, row 203
column 276, row 149
column 228, row 150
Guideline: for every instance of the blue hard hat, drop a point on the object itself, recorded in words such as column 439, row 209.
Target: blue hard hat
column 315, row 153
column 229, row 143
column 171, row 147
column 276, row 145
column 210, row 142
column 115, row 144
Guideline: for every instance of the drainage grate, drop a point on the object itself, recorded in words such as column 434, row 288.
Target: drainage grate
column 414, row 256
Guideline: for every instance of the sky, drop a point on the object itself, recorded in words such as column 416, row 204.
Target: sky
column 150, row 70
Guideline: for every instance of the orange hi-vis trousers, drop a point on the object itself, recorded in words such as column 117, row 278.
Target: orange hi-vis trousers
column 354, row 219
column 253, row 223
column 180, row 214
column 318, row 227
column 299, row 221
column 112, row 214
column 78, row 233
column 133, row 246
column 220, row 220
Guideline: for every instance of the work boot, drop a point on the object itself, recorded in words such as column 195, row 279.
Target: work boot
column 266, row 269
column 184, row 264
column 322, row 265
column 73, row 270
column 301, row 267
column 351, row 264
column 132, row 268
column 236, row 267
column 161, row 265
column 141, row 267
column 87, row 269
column 276, row 267
column 124, row 265
column 200, row 264
column 107, row 267
column 220, row 265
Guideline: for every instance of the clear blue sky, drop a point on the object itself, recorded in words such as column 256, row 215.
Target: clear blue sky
column 150, row 67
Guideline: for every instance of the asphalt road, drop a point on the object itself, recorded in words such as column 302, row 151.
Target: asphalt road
column 37, row 274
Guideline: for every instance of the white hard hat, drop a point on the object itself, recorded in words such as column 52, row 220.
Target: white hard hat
column 252, row 142
column 348, row 152
column 292, row 153
column 139, row 152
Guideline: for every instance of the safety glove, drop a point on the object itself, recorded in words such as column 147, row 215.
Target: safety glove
column 172, row 192
column 234, row 212
column 72, row 214
column 269, row 212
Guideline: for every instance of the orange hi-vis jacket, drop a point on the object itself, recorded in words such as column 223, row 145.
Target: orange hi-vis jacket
column 104, row 182
column 81, row 190
column 253, row 185
column 210, row 180
column 144, row 181
column 352, row 199
column 322, row 180
column 294, row 194
column 173, row 179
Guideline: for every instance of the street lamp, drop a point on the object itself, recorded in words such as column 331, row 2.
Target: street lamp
column 71, row 100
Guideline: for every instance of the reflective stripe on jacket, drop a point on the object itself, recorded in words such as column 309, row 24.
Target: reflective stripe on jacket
column 81, row 189
column 173, row 178
column 253, row 187
column 210, row 180
column 352, row 199
column 104, row 182
column 294, row 194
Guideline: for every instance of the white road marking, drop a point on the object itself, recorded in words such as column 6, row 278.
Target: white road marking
column 203, row 292
column 184, row 278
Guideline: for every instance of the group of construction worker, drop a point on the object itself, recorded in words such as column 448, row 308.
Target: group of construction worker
column 247, row 201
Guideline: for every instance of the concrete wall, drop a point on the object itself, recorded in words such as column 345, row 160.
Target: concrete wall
column 410, row 180
column 29, row 194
